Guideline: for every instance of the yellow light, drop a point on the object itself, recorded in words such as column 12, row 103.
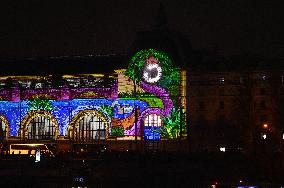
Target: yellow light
column 265, row 125
column 82, row 75
column 28, row 144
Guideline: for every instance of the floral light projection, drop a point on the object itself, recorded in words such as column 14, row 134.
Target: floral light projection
column 172, row 125
column 65, row 111
column 117, row 131
column 162, row 79
column 40, row 104
column 125, row 113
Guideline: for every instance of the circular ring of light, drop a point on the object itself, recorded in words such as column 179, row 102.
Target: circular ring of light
column 152, row 73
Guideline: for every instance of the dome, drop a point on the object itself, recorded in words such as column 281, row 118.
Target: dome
column 160, row 37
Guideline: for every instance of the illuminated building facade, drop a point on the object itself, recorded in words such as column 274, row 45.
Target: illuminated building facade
column 145, row 101
column 161, row 91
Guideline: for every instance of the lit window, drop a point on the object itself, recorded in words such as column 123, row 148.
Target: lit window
column 41, row 127
column 222, row 149
column 263, row 136
column 3, row 130
column 221, row 80
column 265, row 125
column 91, row 127
column 153, row 120
column 152, row 125
column 38, row 85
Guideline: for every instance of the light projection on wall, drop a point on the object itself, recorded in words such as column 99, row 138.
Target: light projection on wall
column 97, row 111
column 152, row 71
column 41, row 126
column 89, row 125
column 65, row 111
column 161, row 79
column 152, row 126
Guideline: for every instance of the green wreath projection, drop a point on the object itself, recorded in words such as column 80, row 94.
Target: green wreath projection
column 170, row 74
column 169, row 79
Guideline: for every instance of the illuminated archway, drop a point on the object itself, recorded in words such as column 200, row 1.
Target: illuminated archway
column 39, row 125
column 153, row 120
column 5, row 130
column 88, row 125
column 152, row 124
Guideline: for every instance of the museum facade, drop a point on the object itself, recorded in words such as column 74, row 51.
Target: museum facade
column 146, row 101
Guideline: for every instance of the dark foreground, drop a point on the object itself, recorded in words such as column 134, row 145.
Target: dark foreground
column 144, row 170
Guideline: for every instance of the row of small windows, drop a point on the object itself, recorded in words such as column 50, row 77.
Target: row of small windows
column 221, row 80
column 49, row 83
column 221, row 105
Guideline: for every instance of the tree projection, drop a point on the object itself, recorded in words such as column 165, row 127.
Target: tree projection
column 156, row 74
column 40, row 104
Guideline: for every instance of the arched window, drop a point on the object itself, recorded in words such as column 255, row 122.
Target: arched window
column 41, row 128
column 91, row 127
column 3, row 131
column 153, row 120
column 152, row 124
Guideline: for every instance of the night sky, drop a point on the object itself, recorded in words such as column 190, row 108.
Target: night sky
column 54, row 28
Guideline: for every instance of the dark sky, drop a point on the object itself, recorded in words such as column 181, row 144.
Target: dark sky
column 64, row 27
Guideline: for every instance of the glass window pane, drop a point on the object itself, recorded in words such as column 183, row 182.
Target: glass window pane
column 41, row 128
column 91, row 127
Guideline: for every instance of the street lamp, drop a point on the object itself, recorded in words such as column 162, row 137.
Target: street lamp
column 265, row 125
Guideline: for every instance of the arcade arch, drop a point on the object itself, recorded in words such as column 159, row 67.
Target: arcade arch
column 4, row 131
column 88, row 125
column 40, row 125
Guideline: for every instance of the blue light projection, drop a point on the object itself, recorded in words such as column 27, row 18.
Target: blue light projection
column 124, row 108
column 152, row 133
column 65, row 110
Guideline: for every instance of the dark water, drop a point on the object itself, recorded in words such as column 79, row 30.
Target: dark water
column 143, row 170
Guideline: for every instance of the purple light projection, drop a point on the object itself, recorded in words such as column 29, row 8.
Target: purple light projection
column 65, row 93
column 163, row 95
